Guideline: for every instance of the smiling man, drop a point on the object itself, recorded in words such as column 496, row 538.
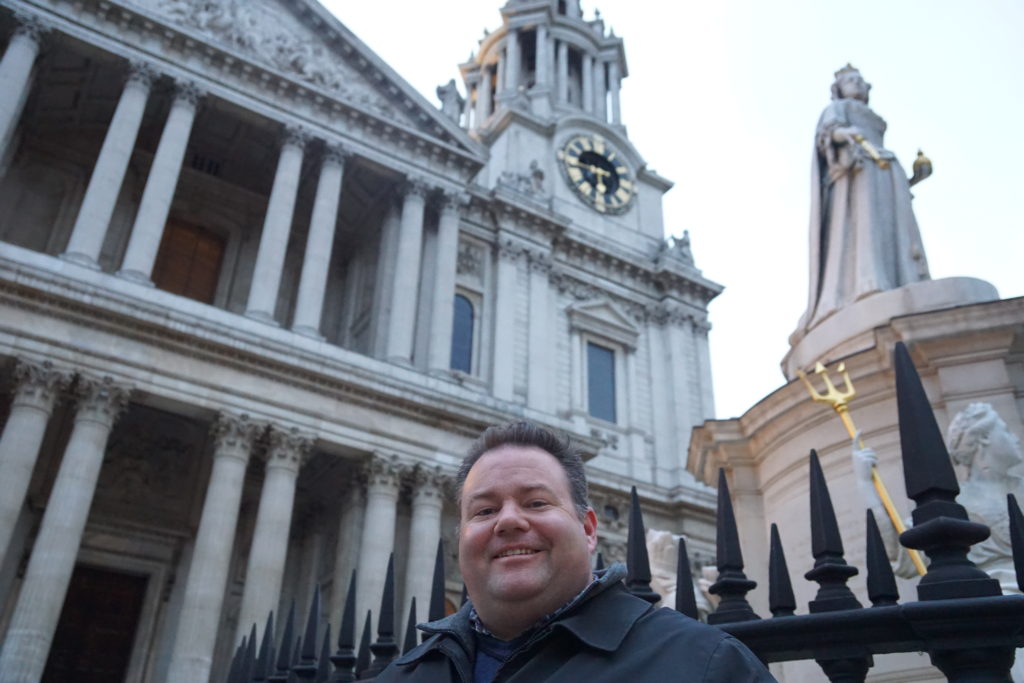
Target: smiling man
column 537, row 612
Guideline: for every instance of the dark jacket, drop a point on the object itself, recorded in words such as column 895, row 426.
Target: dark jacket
column 610, row 635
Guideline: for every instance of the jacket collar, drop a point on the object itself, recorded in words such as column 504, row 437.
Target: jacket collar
column 602, row 625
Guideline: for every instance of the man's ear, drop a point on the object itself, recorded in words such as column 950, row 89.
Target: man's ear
column 590, row 528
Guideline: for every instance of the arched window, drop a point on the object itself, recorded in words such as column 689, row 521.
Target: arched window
column 462, row 335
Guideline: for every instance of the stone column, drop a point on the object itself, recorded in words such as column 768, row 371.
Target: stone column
column 208, row 572
column 542, row 61
column 155, row 205
column 404, row 294
column 512, row 62
column 539, row 335
column 441, row 310
column 588, row 83
column 600, row 90
column 383, row 476
column 34, row 621
column 16, row 74
column 266, row 275
column 269, row 549
column 614, row 84
column 563, row 72
column 483, row 96
column 37, row 387
column 504, row 320
column 346, row 552
column 309, row 303
column 424, row 532
column 107, row 176
column 384, row 279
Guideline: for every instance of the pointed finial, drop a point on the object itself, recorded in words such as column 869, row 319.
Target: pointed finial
column 249, row 659
column 638, row 579
column 732, row 584
column 385, row 648
column 283, row 663
column 881, row 581
column 236, row 663
column 465, row 596
column 780, row 589
column 363, row 658
column 1016, row 538
column 345, row 658
column 686, row 602
column 266, row 645
column 436, row 610
column 941, row 526
column 830, row 571
column 323, row 662
column 410, row 628
column 306, row 668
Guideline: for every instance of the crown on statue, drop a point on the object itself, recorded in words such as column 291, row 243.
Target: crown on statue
column 849, row 68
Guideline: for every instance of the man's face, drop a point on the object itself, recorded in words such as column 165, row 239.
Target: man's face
column 522, row 545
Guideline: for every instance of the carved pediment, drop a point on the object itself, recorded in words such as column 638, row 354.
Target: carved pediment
column 604, row 319
column 305, row 43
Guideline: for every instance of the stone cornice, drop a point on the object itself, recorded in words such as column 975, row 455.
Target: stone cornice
column 237, row 77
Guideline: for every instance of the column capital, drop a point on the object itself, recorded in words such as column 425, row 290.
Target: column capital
column 336, row 153
column 141, row 75
column 540, row 262
column 454, row 200
column 415, row 186
column 31, row 26
column 296, row 136
column 429, row 483
column 39, row 384
column 509, row 249
column 384, row 471
column 235, row 434
column 100, row 399
column 188, row 92
column 288, row 447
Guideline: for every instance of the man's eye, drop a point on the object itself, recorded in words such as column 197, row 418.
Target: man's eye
column 483, row 512
column 537, row 503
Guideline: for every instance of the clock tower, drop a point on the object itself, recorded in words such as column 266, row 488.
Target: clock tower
column 544, row 97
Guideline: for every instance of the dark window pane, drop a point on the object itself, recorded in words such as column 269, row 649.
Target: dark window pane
column 462, row 335
column 601, row 382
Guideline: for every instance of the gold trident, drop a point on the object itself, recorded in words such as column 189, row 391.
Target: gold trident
column 840, row 402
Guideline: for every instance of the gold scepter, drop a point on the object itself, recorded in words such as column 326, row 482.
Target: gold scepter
column 872, row 152
column 840, row 402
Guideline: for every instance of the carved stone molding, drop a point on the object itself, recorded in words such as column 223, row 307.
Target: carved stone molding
column 336, row 154
column 671, row 314
column 470, row 261
column 295, row 136
column 187, row 92
column 384, row 471
column 38, row 385
column 234, row 435
column 288, row 447
column 30, row 26
column 429, row 484
column 415, row 186
column 100, row 399
column 141, row 75
column 540, row 262
column 453, row 201
column 509, row 250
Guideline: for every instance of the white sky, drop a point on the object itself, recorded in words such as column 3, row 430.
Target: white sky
column 723, row 97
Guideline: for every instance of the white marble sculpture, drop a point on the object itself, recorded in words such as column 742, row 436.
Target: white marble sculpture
column 981, row 442
column 863, row 235
column 662, row 550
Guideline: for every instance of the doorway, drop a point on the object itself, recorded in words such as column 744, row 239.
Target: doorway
column 96, row 631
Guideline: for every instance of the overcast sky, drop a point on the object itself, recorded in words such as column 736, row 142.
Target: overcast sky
column 722, row 98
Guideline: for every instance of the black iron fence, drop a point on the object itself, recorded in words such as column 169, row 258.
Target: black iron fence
column 961, row 619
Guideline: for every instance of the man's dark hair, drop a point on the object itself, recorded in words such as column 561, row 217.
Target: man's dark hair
column 529, row 434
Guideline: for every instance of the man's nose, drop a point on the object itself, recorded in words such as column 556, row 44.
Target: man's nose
column 510, row 518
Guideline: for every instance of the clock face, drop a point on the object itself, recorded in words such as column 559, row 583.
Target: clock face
column 597, row 174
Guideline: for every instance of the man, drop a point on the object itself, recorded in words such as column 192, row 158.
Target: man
column 536, row 611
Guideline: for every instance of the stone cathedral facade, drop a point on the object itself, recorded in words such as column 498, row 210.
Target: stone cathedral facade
column 257, row 296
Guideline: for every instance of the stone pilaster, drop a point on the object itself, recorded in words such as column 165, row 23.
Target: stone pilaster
column 503, row 378
column 539, row 338
column 16, row 73
column 563, row 72
column 588, row 83
column 37, row 388
column 409, row 253
column 277, row 224
column 442, row 307
column 233, row 436
column 287, row 450
column 614, row 85
column 155, row 205
column 30, row 633
column 600, row 90
column 383, row 478
column 107, row 176
column 319, row 244
column 512, row 61
column 428, row 484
